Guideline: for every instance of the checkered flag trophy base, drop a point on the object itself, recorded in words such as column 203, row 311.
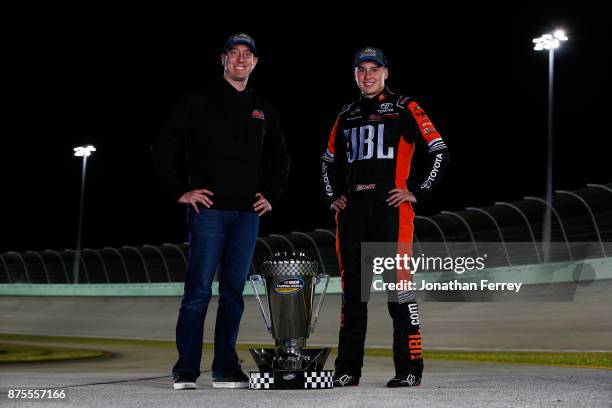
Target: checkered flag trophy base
column 289, row 281
column 291, row 380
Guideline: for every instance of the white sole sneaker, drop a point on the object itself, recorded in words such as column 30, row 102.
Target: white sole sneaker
column 185, row 386
column 226, row 384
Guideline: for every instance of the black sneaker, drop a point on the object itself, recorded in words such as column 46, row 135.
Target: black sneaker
column 408, row 380
column 238, row 380
column 345, row 380
column 184, row 380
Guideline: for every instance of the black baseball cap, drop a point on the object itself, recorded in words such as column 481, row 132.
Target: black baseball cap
column 370, row 54
column 240, row 38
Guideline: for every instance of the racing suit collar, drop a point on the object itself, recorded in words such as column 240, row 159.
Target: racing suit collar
column 382, row 95
column 372, row 103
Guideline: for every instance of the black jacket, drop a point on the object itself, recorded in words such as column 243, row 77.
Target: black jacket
column 226, row 141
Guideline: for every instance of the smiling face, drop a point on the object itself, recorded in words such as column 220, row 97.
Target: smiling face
column 370, row 78
column 238, row 63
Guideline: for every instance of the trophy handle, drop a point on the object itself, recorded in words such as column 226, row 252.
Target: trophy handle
column 258, row 278
column 320, row 303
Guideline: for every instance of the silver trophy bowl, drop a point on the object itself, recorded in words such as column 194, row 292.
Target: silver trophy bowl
column 289, row 282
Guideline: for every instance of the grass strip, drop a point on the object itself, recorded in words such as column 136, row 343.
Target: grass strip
column 576, row 359
column 18, row 353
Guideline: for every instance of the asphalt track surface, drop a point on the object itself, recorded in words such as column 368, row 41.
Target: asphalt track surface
column 136, row 376
column 139, row 376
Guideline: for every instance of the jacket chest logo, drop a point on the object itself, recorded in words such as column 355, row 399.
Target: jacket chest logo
column 258, row 114
column 367, row 142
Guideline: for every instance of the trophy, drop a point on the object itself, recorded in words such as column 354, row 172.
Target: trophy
column 289, row 281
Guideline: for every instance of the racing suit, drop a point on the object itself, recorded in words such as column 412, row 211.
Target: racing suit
column 369, row 153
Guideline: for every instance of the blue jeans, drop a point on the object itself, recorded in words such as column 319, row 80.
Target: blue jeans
column 224, row 238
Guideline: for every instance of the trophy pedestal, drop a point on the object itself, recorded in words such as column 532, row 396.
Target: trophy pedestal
column 290, row 380
column 281, row 369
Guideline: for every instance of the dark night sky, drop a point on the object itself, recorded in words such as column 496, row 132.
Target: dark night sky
column 110, row 79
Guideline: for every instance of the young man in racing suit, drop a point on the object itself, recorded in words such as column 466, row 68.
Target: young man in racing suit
column 364, row 175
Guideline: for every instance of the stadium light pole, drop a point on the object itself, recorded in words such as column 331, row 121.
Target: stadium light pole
column 84, row 152
column 549, row 42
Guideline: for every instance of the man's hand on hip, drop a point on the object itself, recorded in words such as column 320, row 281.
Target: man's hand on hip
column 261, row 205
column 194, row 197
column 339, row 203
column 398, row 196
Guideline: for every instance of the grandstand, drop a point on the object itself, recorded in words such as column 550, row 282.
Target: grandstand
column 582, row 228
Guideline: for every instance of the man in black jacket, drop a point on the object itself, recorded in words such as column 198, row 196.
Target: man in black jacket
column 364, row 174
column 223, row 154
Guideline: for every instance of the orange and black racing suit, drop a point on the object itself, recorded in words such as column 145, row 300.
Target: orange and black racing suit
column 368, row 154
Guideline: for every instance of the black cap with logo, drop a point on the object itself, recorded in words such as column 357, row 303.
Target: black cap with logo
column 370, row 54
column 240, row 38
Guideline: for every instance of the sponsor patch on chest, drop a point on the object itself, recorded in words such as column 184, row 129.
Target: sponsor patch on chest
column 258, row 114
column 385, row 107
